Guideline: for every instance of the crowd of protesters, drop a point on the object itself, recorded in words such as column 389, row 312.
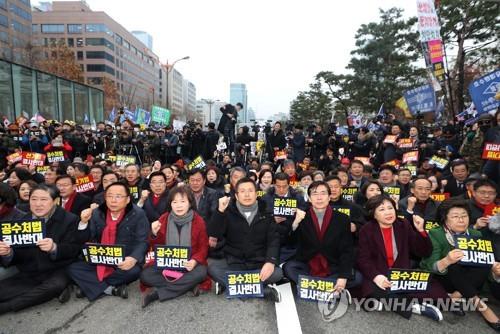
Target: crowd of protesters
column 223, row 210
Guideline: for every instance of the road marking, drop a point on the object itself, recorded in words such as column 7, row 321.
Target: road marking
column 286, row 312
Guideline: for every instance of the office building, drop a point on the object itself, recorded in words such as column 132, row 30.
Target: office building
column 15, row 30
column 238, row 94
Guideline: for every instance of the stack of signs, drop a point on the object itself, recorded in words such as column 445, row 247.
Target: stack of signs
column 408, row 280
column 390, row 139
column 491, row 151
column 484, row 90
column 33, row 159
column 284, row 207
column 440, row 197
column 405, row 143
column 315, row 288
column 197, row 163
column 108, row 255
column 430, row 225
column 172, row 257
column 439, row 162
column 393, row 192
column 14, row 157
column 477, row 251
column 244, row 284
column 84, row 184
column 123, row 160
column 22, row 233
column 411, row 156
column 55, row 156
column 349, row 192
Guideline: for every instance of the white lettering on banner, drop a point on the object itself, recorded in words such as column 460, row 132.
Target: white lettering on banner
column 245, row 289
column 99, row 259
column 409, row 285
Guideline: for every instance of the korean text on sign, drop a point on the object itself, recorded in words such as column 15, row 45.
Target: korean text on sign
column 22, row 233
column 403, row 280
column 55, row 156
column 172, row 257
column 349, row 192
column 285, row 206
column 315, row 288
column 109, row 255
column 244, row 284
column 197, row 163
column 84, row 184
column 477, row 251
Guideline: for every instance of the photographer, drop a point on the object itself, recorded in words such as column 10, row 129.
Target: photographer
column 11, row 140
column 59, row 144
column 127, row 144
column 79, row 144
column 185, row 140
column 212, row 138
column 198, row 140
column 170, row 142
column 276, row 140
column 35, row 139
column 298, row 142
column 318, row 142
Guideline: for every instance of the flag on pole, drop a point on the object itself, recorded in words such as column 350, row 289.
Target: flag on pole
column 439, row 110
column 401, row 104
column 112, row 115
column 381, row 111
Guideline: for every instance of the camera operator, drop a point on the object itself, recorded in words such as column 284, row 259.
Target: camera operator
column 212, row 138
column 11, row 140
column 186, row 141
column 95, row 143
column 170, row 142
column 127, row 144
column 152, row 146
column 318, row 142
column 79, row 143
column 35, row 139
column 298, row 142
column 198, row 140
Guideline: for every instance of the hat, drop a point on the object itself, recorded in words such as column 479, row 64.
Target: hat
column 345, row 161
column 78, row 159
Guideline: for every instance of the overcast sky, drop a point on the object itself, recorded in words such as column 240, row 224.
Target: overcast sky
column 275, row 47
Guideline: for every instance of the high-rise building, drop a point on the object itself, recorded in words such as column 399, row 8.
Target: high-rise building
column 144, row 37
column 238, row 93
column 104, row 49
column 189, row 97
column 251, row 114
column 15, row 30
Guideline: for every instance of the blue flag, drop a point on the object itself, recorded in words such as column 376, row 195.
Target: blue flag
column 381, row 111
column 421, row 99
column 483, row 91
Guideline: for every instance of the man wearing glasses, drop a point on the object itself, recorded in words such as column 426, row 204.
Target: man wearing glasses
column 483, row 203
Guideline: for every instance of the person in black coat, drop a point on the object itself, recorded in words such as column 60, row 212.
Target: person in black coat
column 299, row 144
column 252, row 241
column 70, row 200
column 42, row 268
column 8, row 200
column 455, row 184
column 154, row 202
column 276, row 140
column 319, row 143
column 117, row 221
column 324, row 242
column 206, row 199
column 211, row 140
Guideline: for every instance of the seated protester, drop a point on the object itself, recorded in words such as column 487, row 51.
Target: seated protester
column 493, row 233
column 356, row 216
column 71, row 201
column 108, row 178
column 324, row 242
column 169, row 172
column 236, row 174
column 23, row 199
column 404, row 180
column 386, row 242
column 266, row 179
column 459, row 280
column 135, row 183
column 50, row 176
column 252, row 240
column 8, row 209
column 282, row 191
column 180, row 226
column 482, row 203
column 215, row 180
column 305, row 180
column 206, row 199
column 80, row 169
column 369, row 189
column 342, row 174
column 154, row 202
column 96, row 172
column 356, row 173
column 386, row 176
column 289, row 169
column 42, row 268
column 455, row 184
column 318, row 175
column 117, row 221
column 419, row 202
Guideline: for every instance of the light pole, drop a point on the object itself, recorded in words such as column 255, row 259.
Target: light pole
column 210, row 102
column 169, row 68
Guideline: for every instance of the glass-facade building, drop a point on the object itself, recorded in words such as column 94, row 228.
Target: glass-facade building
column 25, row 91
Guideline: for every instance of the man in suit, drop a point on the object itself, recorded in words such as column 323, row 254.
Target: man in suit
column 71, row 201
column 154, row 202
column 42, row 268
column 206, row 199
column 455, row 184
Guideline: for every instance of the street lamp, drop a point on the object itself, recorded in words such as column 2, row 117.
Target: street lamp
column 210, row 103
column 169, row 69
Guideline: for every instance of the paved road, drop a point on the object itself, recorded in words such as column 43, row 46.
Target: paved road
column 213, row 314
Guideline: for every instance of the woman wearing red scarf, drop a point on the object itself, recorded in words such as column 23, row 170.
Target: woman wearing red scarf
column 386, row 242
column 117, row 221
column 179, row 226
column 324, row 242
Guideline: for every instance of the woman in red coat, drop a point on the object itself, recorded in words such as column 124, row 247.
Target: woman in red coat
column 179, row 226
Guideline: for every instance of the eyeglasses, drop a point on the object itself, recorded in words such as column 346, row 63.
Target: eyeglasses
column 486, row 193
column 464, row 217
column 117, row 197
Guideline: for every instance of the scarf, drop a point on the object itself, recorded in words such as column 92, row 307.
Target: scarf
column 487, row 209
column 318, row 263
column 108, row 237
column 391, row 249
column 179, row 229
column 249, row 212
column 155, row 199
column 69, row 203
column 450, row 235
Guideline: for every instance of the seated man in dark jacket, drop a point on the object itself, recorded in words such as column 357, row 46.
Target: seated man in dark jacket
column 154, row 202
column 324, row 241
column 42, row 268
column 283, row 214
column 206, row 198
column 252, row 241
column 71, row 201
column 117, row 221
column 419, row 202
